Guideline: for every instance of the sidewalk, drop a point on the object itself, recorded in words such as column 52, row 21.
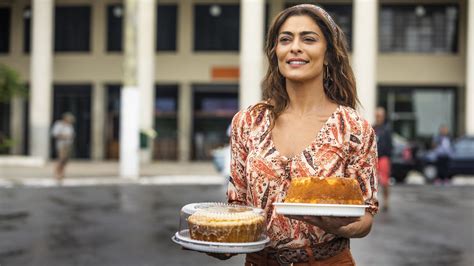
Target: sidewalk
column 87, row 173
column 107, row 172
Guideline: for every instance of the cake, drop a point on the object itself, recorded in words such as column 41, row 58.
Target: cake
column 333, row 190
column 226, row 224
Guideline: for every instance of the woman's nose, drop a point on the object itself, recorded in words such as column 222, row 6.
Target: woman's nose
column 295, row 46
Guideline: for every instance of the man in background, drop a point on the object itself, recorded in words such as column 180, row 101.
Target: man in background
column 63, row 133
column 442, row 145
column 384, row 150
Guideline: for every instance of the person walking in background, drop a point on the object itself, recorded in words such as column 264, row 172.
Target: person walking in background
column 442, row 145
column 384, row 151
column 63, row 134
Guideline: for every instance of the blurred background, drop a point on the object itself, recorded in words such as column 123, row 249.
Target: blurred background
column 71, row 59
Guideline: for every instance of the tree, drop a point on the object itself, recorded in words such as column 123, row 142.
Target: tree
column 10, row 84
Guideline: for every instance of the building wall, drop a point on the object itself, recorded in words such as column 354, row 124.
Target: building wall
column 186, row 67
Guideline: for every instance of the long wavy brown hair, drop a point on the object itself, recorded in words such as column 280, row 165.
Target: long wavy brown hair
column 339, row 81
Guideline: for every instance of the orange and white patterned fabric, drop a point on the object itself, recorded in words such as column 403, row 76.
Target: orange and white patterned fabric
column 344, row 147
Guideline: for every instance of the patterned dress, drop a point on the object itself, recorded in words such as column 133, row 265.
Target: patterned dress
column 344, row 147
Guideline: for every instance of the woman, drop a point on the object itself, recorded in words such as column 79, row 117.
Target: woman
column 307, row 126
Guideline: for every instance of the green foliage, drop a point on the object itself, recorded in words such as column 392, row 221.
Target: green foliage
column 10, row 84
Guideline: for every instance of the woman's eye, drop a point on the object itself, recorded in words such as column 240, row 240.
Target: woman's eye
column 309, row 39
column 284, row 39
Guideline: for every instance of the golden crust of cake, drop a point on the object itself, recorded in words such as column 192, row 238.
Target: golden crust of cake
column 231, row 225
column 333, row 190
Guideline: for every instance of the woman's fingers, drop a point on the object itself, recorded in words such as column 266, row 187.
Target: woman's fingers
column 221, row 256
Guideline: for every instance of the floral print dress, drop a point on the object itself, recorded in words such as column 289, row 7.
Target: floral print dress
column 344, row 147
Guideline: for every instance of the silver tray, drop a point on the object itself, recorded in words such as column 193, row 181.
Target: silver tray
column 182, row 238
column 340, row 210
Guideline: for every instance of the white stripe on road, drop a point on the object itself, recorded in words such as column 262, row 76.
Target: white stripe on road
column 97, row 181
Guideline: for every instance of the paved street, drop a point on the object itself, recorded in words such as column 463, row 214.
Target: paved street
column 132, row 225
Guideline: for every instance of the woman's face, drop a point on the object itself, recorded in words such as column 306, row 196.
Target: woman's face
column 301, row 49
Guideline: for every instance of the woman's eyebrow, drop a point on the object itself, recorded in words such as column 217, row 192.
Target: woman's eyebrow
column 308, row 33
column 301, row 33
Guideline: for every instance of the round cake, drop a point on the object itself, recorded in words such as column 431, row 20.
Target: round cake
column 230, row 223
column 333, row 190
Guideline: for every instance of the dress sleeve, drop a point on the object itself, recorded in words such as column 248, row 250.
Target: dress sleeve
column 363, row 166
column 237, row 189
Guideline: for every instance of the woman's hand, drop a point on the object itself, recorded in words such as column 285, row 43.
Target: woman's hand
column 221, row 256
column 348, row 227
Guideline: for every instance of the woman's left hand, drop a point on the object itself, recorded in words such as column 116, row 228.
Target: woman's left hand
column 340, row 226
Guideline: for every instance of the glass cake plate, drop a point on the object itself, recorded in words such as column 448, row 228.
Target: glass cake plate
column 309, row 209
column 182, row 238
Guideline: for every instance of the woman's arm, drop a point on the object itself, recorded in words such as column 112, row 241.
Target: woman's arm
column 237, row 189
column 348, row 227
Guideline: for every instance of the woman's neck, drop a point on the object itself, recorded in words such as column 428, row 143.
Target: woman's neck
column 307, row 98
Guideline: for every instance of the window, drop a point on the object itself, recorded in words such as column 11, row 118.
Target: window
column 214, row 106
column 5, row 133
column 166, row 122
column 416, row 112
column 216, row 27
column 72, row 28
column 114, row 27
column 4, row 30
column 342, row 15
column 166, row 27
column 77, row 100
column 419, row 28
column 27, row 29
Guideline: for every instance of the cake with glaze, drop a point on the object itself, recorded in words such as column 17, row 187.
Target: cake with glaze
column 232, row 224
column 333, row 190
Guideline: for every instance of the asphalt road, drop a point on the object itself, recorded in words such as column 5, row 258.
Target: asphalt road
column 132, row 225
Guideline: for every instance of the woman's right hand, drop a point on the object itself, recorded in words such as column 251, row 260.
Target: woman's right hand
column 221, row 256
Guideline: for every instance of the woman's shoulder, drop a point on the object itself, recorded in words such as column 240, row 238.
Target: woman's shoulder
column 251, row 115
column 356, row 121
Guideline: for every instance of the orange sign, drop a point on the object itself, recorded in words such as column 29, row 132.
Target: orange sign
column 225, row 73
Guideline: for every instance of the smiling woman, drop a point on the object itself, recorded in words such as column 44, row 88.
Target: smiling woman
column 305, row 127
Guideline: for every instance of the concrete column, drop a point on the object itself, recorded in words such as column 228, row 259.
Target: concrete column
column 470, row 70
column 185, row 31
column 365, row 54
column 98, row 121
column 16, row 47
column 16, row 124
column 251, row 51
column 146, row 70
column 130, row 103
column 185, row 122
column 99, row 34
column 41, row 73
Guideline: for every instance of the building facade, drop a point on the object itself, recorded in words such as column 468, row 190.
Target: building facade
column 411, row 57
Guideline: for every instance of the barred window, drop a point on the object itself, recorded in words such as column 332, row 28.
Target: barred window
column 4, row 30
column 72, row 26
column 166, row 26
column 216, row 27
column 419, row 28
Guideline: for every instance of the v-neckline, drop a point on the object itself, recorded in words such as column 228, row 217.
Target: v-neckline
column 317, row 136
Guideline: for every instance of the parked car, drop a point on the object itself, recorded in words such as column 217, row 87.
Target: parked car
column 403, row 158
column 461, row 161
